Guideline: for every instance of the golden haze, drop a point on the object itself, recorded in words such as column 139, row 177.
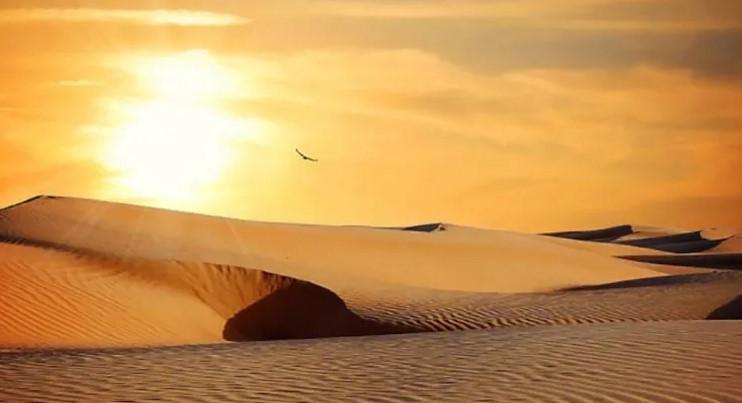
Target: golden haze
column 415, row 116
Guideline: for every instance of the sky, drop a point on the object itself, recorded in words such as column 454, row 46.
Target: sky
column 513, row 114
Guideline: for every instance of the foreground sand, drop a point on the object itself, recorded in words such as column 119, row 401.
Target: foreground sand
column 645, row 362
column 581, row 315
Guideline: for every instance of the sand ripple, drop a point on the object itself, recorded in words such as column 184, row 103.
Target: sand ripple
column 649, row 362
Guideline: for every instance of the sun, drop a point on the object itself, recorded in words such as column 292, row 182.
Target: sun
column 175, row 143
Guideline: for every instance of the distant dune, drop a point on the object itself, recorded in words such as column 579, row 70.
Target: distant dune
column 657, row 239
column 85, row 274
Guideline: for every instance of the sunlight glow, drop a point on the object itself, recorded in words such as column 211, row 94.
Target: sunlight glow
column 148, row 17
column 173, row 145
column 193, row 75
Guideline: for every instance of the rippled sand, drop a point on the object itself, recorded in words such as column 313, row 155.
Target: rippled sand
column 644, row 362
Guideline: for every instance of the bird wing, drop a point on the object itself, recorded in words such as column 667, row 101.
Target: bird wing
column 306, row 157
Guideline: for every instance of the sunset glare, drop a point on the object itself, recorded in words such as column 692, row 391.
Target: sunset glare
column 169, row 147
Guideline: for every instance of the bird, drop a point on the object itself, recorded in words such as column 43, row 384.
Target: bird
column 306, row 157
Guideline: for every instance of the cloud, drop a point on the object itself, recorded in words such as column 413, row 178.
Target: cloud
column 654, row 15
column 146, row 17
column 575, row 34
column 682, row 14
column 76, row 83
column 710, row 53
column 554, row 144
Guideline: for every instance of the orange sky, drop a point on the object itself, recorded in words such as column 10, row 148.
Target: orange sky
column 525, row 115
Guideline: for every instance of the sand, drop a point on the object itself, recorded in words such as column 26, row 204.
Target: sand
column 680, row 361
column 456, row 259
column 436, row 312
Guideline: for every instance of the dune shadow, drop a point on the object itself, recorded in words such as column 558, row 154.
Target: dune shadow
column 655, row 281
column 729, row 261
column 689, row 247
column 432, row 227
column 596, row 235
column 664, row 239
column 730, row 310
column 688, row 242
column 300, row 311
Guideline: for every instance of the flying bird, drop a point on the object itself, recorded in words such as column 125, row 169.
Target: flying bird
column 306, row 157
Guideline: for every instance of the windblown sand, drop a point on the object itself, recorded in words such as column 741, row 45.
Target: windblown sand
column 644, row 362
column 615, row 314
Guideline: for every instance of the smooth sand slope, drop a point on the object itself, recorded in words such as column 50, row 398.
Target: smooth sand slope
column 627, row 362
column 457, row 259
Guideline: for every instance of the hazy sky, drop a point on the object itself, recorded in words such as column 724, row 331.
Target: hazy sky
column 515, row 114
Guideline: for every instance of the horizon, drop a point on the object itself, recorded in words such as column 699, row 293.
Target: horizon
column 508, row 115
column 396, row 225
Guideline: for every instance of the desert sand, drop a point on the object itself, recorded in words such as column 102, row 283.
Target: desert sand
column 103, row 301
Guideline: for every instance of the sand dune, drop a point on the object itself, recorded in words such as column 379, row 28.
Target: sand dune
column 628, row 362
column 58, row 298
column 657, row 239
column 577, row 315
column 456, row 259
column 733, row 244
column 50, row 298
column 669, row 251
column 87, row 282
column 682, row 297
